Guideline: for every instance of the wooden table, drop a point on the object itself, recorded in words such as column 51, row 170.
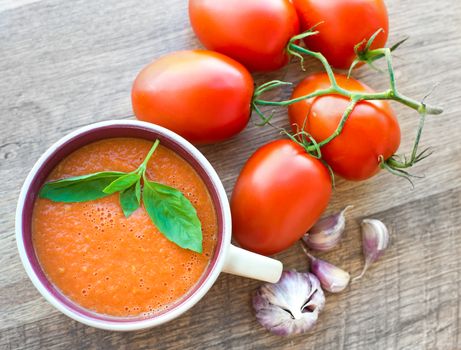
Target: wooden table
column 65, row 64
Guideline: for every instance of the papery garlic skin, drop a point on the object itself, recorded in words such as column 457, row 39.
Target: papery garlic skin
column 327, row 232
column 331, row 277
column 290, row 306
column 375, row 240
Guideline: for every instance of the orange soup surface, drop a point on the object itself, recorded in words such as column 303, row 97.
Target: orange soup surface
column 115, row 265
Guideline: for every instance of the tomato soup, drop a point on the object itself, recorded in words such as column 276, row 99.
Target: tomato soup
column 115, row 265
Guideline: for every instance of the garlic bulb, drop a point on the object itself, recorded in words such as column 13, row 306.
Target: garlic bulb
column 375, row 240
column 327, row 232
column 290, row 306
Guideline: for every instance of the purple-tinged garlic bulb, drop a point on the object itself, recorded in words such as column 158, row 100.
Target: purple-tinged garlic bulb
column 290, row 306
column 327, row 232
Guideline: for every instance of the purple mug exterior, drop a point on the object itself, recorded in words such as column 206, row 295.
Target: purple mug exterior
column 95, row 132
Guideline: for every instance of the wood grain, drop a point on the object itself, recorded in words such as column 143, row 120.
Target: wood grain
column 70, row 63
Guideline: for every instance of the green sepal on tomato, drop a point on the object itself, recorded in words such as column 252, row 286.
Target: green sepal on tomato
column 279, row 195
column 253, row 32
column 370, row 132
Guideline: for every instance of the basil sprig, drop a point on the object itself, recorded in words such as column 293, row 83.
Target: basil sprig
column 170, row 211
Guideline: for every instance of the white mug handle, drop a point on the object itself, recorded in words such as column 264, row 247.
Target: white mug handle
column 244, row 263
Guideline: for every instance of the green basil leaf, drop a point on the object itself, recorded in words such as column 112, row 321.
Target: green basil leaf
column 173, row 214
column 79, row 188
column 122, row 183
column 129, row 200
column 89, row 177
column 138, row 191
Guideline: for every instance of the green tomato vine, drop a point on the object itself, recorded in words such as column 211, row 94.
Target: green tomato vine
column 396, row 164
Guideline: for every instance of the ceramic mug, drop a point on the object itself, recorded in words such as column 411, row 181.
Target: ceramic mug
column 227, row 257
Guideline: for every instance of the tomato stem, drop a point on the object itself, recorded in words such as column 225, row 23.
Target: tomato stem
column 395, row 164
column 390, row 94
column 341, row 124
column 269, row 86
column 395, row 161
column 265, row 120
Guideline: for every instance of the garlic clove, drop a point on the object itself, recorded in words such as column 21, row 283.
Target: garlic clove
column 327, row 232
column 331, row 277
column 375, row 240
column 290, row 306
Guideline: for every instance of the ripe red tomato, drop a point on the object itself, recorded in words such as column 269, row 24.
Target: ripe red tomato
column 254, row 32
column 202, row 95
column 346, row 23
column 280, row 193
column 371, row 131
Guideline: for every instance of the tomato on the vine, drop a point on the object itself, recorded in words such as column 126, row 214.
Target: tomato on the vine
column 202, row 95
column 371, row 131
column 343, row 24
column 279, row 195
column 254, row 32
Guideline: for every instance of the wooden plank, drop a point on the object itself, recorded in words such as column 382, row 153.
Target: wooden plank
column 66, row 64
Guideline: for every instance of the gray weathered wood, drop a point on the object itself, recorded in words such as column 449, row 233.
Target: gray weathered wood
column 69, row 63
